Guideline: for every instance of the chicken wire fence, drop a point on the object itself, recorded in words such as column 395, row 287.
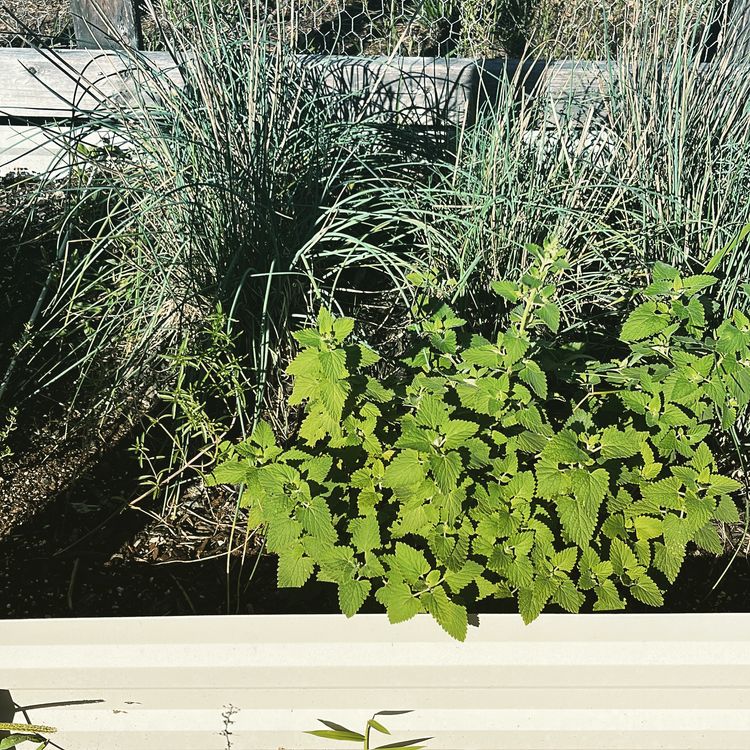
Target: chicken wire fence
column 432, row 28
column 465, row 28
column 346, row 27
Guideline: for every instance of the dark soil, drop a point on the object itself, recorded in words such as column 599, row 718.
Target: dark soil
column 81, row 558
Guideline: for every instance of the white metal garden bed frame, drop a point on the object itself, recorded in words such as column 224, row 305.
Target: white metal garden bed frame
column 586, row 682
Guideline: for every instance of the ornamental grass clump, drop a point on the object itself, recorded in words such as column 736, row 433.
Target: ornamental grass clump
column 189, row 243
column 527, row 466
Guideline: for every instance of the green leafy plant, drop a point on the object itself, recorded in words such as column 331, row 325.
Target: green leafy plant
column 21, row 733
column 526, row 466
column 337, row 732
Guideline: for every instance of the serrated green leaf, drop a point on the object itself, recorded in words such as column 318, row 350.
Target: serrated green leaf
column 398, row 600
column 446, row 467
column 565, row 559
column 696, row 313
column 673, row 416
column 315, row 517
column 317, row 468
column 532, row 600
column 726, row 511
column 702, row 457
column 308, row 337
column 365, row 533
column 614, row 527
column 635, row 401
column 616, row 443
column 372, row 568
column 342, row 327
column 294, row 568
column 551, row 481
column 410, row 563
column 563, row 448
column 325, row 321
column 658, row 289
column 413, row 436
column 532, row 374
column 568, row 596
column 262, row 435
column 318, row 423
column 450, row 616
column 668, row 559
column 282, row 533
column 647, row 527
column 607, row 597
column 644, row 322
column 431, row 412
column 707, row 538
column 698, row 511
column 483, row 356
column 646, row 591
column 694, row 284
column 405, row 470
column 232, row 472
column 336, row 563
column 642, row 548
column 352, row 595
column 507, row 289
column 550, row 315
column 720, row 485
column 664, row 493
column 675, row 530
column 333, row 364
column 333, row 397
column 375, row 391
column 367, row 356
column 623, row 558
column 579, row 515
column 458, row 580
column 457, row 432
column 515, row 346
column 305, row 365
column 519, row 571
column 663, row 272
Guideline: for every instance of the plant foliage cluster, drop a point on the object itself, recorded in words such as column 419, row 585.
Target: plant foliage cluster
column 525, row 466
column 338, row 732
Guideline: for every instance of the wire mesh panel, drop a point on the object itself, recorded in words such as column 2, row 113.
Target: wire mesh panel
column 459, row 28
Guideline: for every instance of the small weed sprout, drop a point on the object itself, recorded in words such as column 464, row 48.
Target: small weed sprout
column 337, row 732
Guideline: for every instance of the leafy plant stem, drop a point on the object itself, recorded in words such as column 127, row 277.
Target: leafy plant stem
column 746, row 493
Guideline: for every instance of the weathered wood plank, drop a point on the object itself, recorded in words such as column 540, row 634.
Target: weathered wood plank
column 418, row 91
column 106, row 24
column 28, row 148
column 437, row 91
column 41, row 84
column 735, row 35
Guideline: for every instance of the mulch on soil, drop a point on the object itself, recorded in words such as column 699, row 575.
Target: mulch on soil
column 88, row 553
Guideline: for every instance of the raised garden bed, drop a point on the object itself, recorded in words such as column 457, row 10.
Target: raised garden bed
column 677, row 682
